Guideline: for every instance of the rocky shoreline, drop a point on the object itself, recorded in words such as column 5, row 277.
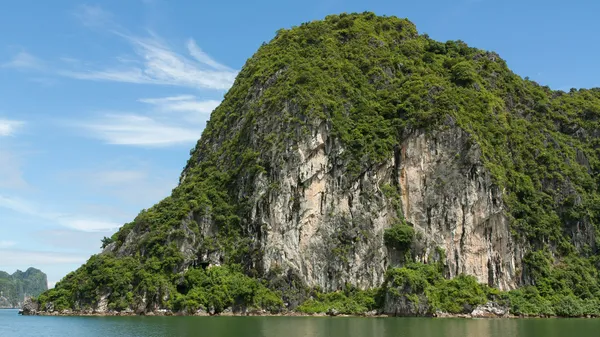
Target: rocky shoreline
column 67, row 313
column 489, row 310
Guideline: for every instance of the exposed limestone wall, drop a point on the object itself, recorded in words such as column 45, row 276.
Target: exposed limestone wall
column 330, row 232
column 449, row 197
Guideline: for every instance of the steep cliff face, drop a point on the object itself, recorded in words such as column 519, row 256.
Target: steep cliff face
column 331, row 234
column 326, row 231
column 329, row 231
column 450, row 198
column 336, row 133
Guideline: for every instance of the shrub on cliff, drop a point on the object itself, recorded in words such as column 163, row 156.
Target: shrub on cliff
column 400, row 236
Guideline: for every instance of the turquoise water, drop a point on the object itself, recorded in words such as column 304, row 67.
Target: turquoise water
column 13, row 325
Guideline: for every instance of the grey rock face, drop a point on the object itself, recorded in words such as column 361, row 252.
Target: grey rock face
column 450, row 198
column 49, row 307
column 311, row 220
column 403, row 305
column 30, row 307
column 330, row 233
column 490, row 310
column 326, row 231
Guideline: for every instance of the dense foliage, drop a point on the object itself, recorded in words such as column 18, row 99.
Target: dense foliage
column 15, row 287
column 125, row 284
column 350, row 301
column 458, row 295
column 400, row 236
column 373, row 80
column 568, row 287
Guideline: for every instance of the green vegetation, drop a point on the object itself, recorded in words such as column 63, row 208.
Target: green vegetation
column 569, row 287
column 372, row 80
column 126, row 284
column 15, row 287
column 565, row 289
column 122, row 282
column 400, row 236
column 350, row 301
column 425, row 282
column 219, row 288
column 425, row 285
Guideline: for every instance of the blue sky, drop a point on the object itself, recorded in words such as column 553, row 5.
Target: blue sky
column 100, row 102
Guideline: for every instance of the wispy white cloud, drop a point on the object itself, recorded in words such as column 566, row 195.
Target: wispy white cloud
column 184, row 103
column 203, row 57
column 84, row 224
column 9, row 127
column 15, row 257
column 187, row 107
column 63, row 219
column 172, row 120
column 24, row 60
column 158, row 64
column 139, row 130
column 155, row 61
column 6, row 244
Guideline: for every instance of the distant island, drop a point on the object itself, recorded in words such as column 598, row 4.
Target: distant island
column 16, row 287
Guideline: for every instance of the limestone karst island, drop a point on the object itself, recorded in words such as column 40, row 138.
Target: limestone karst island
column 15, row 288
column 357, row 167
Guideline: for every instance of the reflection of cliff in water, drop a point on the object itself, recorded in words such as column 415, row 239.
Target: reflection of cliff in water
column 388, row 327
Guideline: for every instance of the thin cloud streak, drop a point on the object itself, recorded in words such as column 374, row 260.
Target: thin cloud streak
column 153, row 60
column 202, row 57
column 173, row 120
column 11, row 173
column 16, row 258
column 62, row 219
column 117, row 177
column 156, row 62
column 162, row 66
column 24, row 60
column 94, row 16
column 9, row 127
column 7, row 244
column 138, row 130
column 187, row 103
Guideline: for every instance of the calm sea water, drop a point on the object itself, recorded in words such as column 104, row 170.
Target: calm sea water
column 13, row 325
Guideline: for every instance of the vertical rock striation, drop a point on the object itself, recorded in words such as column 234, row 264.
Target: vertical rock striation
column 331, row 234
